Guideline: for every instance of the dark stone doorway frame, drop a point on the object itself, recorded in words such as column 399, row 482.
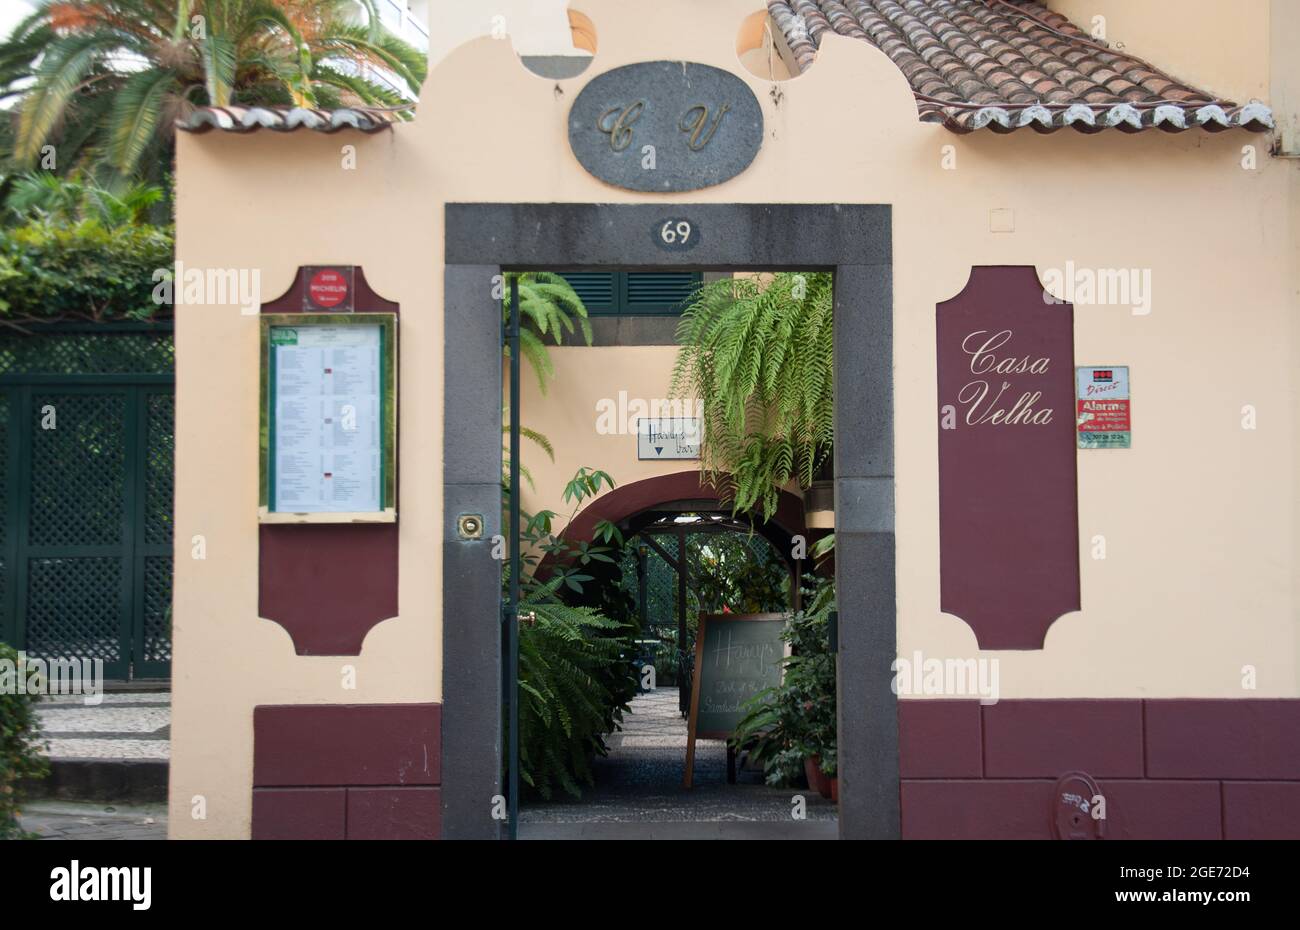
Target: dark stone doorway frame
column 853, row 241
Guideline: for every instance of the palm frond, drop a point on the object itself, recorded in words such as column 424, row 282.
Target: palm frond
column 137, row 109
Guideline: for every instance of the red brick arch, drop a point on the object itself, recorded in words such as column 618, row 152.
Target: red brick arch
column 649, row 493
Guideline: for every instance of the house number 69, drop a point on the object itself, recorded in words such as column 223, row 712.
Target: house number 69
column 676, row 232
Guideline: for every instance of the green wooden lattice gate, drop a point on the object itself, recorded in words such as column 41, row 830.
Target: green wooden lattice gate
column 86, row 448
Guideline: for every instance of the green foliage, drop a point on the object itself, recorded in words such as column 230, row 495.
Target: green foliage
column 549, row 307
column 735, row 570
column 50, row 271
column 536, row 438
column 20, row 749
column 797, row 719
column 759, row 354
column 102, row 80
column 575, row 660
column 726, row 573
column 575, row 681
column 67, row 201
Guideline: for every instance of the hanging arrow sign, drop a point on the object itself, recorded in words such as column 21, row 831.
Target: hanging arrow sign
column 668, row 438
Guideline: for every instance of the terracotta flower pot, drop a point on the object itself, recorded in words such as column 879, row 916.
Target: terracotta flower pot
column 816, row 780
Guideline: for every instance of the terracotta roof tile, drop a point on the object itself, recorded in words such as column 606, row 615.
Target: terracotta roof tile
column 1007, row 64
column 285, row 119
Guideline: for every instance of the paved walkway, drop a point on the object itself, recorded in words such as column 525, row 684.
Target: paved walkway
column 639, row 793
column 76, row 820
column 125, row 725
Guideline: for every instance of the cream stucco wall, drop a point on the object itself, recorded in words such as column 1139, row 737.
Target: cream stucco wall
column 1199, row 517
column 571, row 415
column 532, row 27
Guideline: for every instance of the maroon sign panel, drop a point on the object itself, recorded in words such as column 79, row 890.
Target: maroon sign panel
column 1008, row 504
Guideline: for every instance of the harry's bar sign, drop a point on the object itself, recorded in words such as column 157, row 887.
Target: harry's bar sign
column 670, row 438
column 665, row 126
column 1008, row 512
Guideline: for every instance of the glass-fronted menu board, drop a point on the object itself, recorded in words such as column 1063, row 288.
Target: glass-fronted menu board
column 328, row 417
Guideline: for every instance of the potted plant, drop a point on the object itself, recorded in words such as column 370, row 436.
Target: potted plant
column 791, row 729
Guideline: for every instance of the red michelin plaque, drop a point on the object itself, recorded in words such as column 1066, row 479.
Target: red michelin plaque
column 1008, row 499
column 328, row 289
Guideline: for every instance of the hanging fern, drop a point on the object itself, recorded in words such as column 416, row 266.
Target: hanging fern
column 759, row 354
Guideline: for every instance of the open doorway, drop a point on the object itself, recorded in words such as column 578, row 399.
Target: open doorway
column 682, row 561
column 849, row 242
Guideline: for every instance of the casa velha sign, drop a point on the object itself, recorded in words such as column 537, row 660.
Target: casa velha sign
column 1008, row 507
column 665, row 126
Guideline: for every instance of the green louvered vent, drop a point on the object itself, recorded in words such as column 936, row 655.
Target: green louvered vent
column 659, row 291
column 628, row 293
column 598, row 290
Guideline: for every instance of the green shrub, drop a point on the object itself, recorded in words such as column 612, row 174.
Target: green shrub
column 50, row 271
column 20, row 749
column 576, row 673
column 575, row 679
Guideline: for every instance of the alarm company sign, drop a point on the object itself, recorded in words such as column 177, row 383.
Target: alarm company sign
column 1103, row 415
column 665, row 126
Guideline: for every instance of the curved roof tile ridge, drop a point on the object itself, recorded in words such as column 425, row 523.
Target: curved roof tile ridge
column 1007, row 64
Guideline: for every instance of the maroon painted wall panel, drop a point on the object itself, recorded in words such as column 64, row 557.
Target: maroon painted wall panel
column 953, row 810
column 1015, row 809
column 1261, row 810
column 1168, row 769
column 1162, row 810
column 375, row 744
column 940, row 739
column 394, row 813
column 299, row 813
column 328, row 585
column 1047, row 738
column 1249, row 739
column 1008, row 509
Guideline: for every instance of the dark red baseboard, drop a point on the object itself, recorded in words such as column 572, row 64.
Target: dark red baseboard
column 338, row 772
column 1168, row 769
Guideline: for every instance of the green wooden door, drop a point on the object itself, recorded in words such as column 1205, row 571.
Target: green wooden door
column 87, row 518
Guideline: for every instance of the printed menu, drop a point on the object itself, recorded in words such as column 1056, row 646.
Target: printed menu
column 327, row 430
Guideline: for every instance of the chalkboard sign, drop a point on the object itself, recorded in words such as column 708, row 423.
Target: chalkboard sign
column 736, row 657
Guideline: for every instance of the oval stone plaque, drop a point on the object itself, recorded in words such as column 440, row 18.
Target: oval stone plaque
column 665, row 126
